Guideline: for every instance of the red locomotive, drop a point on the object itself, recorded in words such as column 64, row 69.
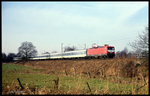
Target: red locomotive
column 101, row 51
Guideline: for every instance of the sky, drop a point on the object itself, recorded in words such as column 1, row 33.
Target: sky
column 49, row 24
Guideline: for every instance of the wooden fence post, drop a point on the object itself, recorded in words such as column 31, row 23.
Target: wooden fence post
column 101, row 73
column 74, row 71
column 88, row 86
column 20, row 84
column 89, row 74
column 66, row 72
column 56, row 83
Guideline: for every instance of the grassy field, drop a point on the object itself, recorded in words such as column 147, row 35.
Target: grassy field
column 38, row 79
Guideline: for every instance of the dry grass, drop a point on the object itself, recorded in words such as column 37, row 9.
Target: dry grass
column 119, row 71
column 111, row 67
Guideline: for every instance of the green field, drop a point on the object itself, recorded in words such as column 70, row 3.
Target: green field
column 35, row 81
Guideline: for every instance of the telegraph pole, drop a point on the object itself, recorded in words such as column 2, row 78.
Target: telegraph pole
column 84, row 46
column 61, row 47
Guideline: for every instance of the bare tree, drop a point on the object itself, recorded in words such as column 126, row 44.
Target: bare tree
column 27, row 50
column 141, row 45
column 10, row 57
column 123, row 53
column 47, row 54
column 54, row 52
column 130, row 55
column 4, row 57
column 69, row 48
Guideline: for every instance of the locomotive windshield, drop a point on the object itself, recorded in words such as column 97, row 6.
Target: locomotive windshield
column 111, row 49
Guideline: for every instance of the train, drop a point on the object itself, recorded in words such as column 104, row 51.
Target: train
column 105, row 51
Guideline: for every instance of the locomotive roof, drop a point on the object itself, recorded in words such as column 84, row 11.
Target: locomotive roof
column 101, row 47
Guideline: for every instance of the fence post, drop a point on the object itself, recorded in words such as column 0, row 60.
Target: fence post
column 66, row 72
column 56, row 83
column 88, row 86
column 89, row 74
column 74, row 71
column 20, row 84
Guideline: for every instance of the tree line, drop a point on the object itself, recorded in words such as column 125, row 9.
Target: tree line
column 9, row 57
column 124, row 54
column 140, row 46
column 25, row 51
